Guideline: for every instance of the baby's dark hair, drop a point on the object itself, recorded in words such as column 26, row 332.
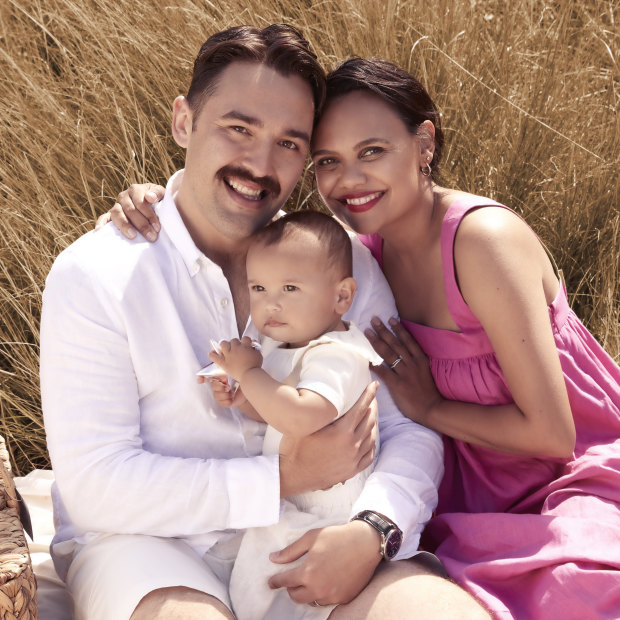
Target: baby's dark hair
column 331, row 235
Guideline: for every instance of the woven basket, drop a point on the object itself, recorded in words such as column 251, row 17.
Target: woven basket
column 18, row 588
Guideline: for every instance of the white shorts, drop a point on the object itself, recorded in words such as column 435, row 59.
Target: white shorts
column 110, row 576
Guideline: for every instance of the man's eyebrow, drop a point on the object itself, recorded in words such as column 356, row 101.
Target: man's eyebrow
column 359, row 145
column 235, row 115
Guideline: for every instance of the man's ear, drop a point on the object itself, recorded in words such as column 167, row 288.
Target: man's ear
column 182, row 119
column 346, row 292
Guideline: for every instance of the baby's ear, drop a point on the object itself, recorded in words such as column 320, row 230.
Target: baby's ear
column 346, row 292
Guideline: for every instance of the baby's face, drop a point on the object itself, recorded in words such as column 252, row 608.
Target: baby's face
column 293, row 291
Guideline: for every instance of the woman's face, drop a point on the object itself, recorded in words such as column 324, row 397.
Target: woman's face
column 367, row 163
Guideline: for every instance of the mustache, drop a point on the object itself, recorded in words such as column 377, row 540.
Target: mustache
column 268, row 183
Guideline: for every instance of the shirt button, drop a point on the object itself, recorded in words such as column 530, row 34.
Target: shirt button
column 223, row 302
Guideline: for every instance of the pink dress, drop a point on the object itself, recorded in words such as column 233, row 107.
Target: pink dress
column 532, row 538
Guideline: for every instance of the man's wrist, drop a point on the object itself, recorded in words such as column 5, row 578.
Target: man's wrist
column 368, row 540
column 390, row 535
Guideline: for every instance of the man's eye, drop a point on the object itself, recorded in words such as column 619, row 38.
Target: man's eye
column 289, row 288
column 239, row 129
column 289, row 144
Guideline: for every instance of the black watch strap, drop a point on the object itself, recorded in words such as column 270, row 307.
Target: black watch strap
column 391, row 535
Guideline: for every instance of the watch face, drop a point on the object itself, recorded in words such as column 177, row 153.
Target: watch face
column 392, row 543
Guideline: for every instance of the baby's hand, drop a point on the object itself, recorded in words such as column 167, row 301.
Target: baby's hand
column 235, row 357
column 222, row 391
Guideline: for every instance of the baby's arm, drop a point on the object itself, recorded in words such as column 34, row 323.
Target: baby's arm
column 292, row 412
column 227, row 397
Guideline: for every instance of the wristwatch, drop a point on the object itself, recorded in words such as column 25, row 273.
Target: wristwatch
column 391, row 535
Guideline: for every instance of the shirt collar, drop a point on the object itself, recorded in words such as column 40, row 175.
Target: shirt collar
column 172, row 223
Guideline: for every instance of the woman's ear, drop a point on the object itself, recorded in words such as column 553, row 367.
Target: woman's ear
column 426, row 136
column 182, row 119
column 346, row 293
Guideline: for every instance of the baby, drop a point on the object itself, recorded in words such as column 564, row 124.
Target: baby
column 313, row 367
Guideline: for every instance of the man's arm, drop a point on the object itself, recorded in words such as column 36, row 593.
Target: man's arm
column 91, row 402
column 404, row 483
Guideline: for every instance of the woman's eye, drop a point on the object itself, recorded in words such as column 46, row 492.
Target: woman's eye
column 289, row 288
column 371, row 150
column 258, row 288
column 325, row 161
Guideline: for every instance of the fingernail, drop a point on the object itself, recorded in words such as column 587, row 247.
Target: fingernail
column 393, row 321
column 273, row 555
column 151, row 236
column 369, row 333
column 151, row 195
column 157, row 226
column 375, row 321
column 131, row 233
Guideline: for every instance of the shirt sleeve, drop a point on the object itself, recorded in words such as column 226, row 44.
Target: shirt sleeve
column 106, row 479
column 409, row 468
column 337, row 374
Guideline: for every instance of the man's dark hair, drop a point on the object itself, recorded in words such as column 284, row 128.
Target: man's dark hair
column 333, row 238
column 394, row 86
column 278, row 46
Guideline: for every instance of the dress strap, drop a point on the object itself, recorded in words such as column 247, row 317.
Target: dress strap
column 459, row 310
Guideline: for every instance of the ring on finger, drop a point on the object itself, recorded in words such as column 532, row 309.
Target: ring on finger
column 315, row 603
column 395, row 363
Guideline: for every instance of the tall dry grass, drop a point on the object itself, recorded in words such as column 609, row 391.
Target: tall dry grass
column 528, row 89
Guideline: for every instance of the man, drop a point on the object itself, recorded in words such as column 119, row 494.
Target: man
column 154, row 481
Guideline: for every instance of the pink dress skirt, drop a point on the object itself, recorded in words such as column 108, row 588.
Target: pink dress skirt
column 532, row 538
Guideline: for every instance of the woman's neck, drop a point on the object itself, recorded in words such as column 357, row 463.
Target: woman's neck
column 416, row 229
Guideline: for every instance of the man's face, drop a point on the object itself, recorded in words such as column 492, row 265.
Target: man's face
column 245, row 151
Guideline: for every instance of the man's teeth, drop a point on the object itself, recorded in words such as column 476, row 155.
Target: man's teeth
column 246, row 192
column 362, row 200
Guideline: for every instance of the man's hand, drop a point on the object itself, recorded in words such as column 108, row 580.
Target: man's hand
column 333, row 454
column 340, row 561
column 134, row 210
column 235, row 357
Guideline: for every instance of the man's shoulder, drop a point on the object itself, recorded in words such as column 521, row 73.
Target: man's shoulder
column 104, row 256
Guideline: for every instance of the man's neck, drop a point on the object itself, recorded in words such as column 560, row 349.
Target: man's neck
column 228, row 254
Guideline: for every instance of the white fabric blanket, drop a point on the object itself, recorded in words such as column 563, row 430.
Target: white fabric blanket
column 54, row 601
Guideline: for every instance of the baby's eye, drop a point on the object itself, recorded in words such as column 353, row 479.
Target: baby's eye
column 257, row 288
column 289, row 288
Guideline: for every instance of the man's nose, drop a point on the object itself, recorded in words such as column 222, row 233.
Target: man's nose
column 259, row 160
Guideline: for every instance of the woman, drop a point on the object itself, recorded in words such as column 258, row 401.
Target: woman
column 488, row 353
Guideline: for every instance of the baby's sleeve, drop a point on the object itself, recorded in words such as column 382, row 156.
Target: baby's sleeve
column 336, row 373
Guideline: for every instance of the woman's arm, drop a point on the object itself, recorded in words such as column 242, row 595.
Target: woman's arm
column 506, row 280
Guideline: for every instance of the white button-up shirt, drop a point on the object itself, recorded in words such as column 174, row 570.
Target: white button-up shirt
column 137, row 446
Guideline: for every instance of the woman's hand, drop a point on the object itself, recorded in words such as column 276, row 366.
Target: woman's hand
column 406, row 374
column 340, row 561
column 134, row 210
column 333, row 454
